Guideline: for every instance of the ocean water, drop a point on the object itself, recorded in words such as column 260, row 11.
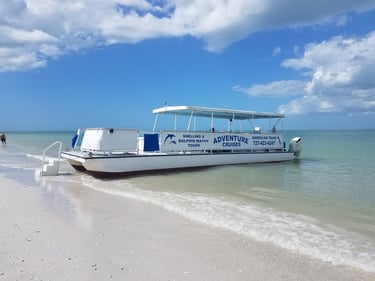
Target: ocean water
column 322, row 205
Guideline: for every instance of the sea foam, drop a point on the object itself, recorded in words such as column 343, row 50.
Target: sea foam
column 297, row 233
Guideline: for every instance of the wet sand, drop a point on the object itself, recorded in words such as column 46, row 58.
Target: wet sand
column 69, row 232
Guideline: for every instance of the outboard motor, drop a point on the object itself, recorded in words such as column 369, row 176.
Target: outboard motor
column 295, row 146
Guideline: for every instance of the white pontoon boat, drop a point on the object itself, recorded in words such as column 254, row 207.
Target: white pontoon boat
column 122, row 151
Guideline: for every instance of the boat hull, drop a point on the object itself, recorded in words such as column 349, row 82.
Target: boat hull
column 100, row 165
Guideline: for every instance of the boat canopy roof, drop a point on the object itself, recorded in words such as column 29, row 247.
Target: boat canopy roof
column 215, row 112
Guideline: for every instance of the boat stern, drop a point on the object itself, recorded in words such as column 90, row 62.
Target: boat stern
column 296, row 146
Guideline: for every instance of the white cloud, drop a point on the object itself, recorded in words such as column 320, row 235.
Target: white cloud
column 342, row 20
column 274, row 89
column 16, row 59
column 21, row 36
column 276, row 51
column 339, row 78
column 73, row 25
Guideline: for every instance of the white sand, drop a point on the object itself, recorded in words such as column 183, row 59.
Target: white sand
column 73, row 233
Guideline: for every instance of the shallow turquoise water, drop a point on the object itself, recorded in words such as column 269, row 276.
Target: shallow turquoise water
column 322, row 205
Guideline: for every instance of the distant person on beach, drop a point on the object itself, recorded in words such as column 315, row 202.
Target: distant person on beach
column 3, row 138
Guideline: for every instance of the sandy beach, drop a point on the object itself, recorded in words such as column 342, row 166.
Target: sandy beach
column 69, row 232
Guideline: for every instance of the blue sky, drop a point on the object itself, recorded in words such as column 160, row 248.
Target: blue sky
column 78, row 63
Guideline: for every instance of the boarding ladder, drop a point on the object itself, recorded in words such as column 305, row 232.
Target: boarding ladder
column 50, row 167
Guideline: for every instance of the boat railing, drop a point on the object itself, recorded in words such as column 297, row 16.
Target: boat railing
column 59, row 143
column 50, row 167
column 217, row 141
